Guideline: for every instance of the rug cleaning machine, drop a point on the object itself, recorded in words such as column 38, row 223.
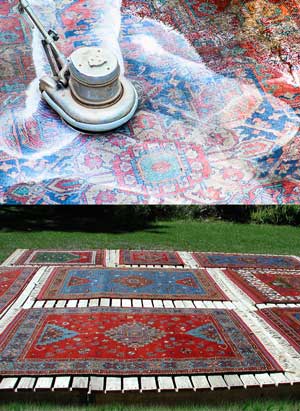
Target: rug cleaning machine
column 86, row 89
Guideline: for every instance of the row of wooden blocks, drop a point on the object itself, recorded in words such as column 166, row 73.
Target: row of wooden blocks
column 146, row 383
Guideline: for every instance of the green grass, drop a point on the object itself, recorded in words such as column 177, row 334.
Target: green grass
column 179, row 235
column 248, row 406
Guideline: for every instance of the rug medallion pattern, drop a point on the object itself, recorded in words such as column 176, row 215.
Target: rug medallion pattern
column 136, row 257
column 61, row 257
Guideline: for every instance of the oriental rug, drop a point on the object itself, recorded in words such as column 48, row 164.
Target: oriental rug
column 268, row 286
column 75, row 283
column 218, row 116
column 144, row 257
column 13, row 280
column 246, row 260
column 286, row 321
column 61, row 257
column 114, row 341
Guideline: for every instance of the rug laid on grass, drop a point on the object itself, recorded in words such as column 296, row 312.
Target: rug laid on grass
column 136, row 257
column 61, row 257
column 268, row 286
column 115, row 341
column 218, row 114
column 75, row 283
column 246, row 260
column 286, row 321
column 12, row 282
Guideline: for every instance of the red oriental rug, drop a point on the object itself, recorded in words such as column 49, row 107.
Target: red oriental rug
column 268, row 286
column 114, row 341
column 246, row 260
column 137, row 257
column 61, row 257
column 76, row 283
column 286, row 321
column 12, row 282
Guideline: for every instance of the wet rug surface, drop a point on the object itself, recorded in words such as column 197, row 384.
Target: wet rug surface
column 246, row 260
column 12, row 282
column 268, row 286
column 286, row 321
column 128, row 341
column 132, row 257
column 76, row 283
column 61, row 257
column 218, row 115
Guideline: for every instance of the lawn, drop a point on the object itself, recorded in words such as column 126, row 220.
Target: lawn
column 178, row 235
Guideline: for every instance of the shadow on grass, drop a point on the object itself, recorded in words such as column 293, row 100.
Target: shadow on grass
column 93, row 219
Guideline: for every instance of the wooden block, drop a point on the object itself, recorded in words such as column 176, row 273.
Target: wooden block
column 126, row 302
column 264, row 379
column 188, row 304
column 208, row 304
column 39, row 304
column 217, row 381
column 178, row 304
column 113, row 384
column 60, row 304
column 28, row 304
column 80, row 383
column 94, row 302
column 72, row 303
column 165, row 383
column 61, row 383
column 43, row 383
column 8, row 383
column 229, row 305
column 279, row 378
column 115, row 302
column 233, row 380
column 96, row 384
column 50, row 304
column 219, row 304
column 157, row 303
column 148, row 384
column 147, row 303
column 199, row 304
column 130, row 384
column 25, row 383
column 137, row 303
column 168, row 304
column 200, row 382
column 249, row 380
column 183, row 383
column 82, row 303
column 105, row 302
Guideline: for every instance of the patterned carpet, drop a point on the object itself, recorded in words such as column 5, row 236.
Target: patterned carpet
column 143, row 257
column 74, row 283
column 60, row 257
column 246, row 260
column 12, row 282
column 268, row 286
column 286, row 321
column 130, row 341
column 218, row 116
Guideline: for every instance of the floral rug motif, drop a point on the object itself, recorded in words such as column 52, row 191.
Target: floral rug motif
column 218, row 116
column 268, row 286
column 76, row 283
column 144, row 257
column 13, row 280
column 286, row 321
column 246, row 260
column 61, row 257
column 114, row 341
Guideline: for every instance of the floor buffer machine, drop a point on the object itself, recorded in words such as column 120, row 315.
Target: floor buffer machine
column 86, row 89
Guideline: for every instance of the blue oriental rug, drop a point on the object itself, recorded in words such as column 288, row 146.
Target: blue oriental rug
column 75, row 283
column 112, row 341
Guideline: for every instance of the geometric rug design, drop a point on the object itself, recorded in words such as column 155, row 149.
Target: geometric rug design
column 246, row 260
column 113, row 341
column 218, row 115
column 135, row 257
column 12, row 282
column 268, row 286
column 76, row 283
column 61, row 257
column 286, row 321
